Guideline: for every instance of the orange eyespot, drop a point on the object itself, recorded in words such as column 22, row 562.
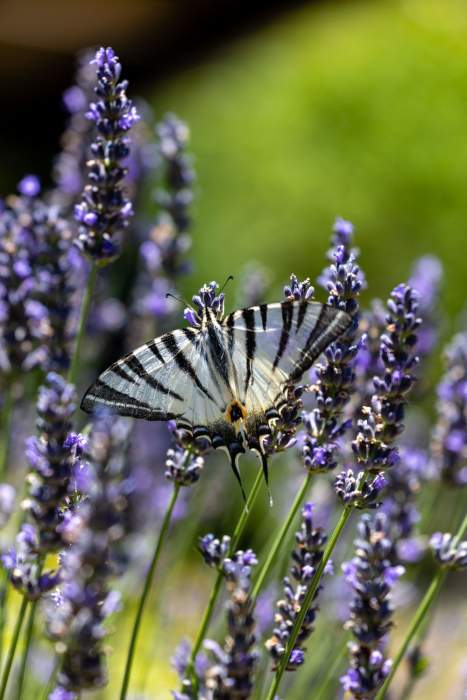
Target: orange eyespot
column 235, row 412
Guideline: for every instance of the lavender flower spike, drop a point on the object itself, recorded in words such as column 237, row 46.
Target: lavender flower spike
column 371, row 576
column 232, row 676
column 76, row 621
column 305, row 558
column 52, row 457
column 335, row 379
column 382, row 421
column 105, row 210
column 449, row 440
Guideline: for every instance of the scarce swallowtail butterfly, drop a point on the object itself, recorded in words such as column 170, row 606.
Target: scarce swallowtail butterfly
column 225, row 379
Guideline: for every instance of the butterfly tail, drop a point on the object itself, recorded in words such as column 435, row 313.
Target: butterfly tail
column 235, row 449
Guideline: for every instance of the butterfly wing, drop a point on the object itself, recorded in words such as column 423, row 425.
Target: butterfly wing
column 274, row 344
column 161, row 380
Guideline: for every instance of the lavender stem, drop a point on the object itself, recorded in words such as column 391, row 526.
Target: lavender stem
column 281, row 535
column 27, row 644
column 83, row 317
column 307, row 601
column 221, row 576
column 12, row 650
column 146, row 591
column 428, row 599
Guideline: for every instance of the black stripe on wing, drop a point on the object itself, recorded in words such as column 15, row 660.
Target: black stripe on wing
column 152, row 346
column 184, row 363
column 102, row 395
column 137, row 367
column 250, row 342
column 330, row 325
column 287, row 315
column 218, row 354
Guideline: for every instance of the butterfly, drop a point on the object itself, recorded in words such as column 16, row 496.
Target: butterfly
column 226, row 378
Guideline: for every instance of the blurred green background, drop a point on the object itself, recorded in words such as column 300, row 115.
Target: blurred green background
column 298, row 114
column 350, row 108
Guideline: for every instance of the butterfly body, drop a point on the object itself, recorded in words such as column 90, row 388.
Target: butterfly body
column 225, row 381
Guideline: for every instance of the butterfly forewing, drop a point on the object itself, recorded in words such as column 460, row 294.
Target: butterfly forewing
column 145, row 383
column 273, row 344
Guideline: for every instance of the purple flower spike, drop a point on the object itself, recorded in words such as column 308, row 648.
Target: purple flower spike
column 35, row 285
column 382, row 421
column 104, row 210
column 52, row 460
column 371, row 576
column 335, row 378
column 306, row 556
column 94, row 555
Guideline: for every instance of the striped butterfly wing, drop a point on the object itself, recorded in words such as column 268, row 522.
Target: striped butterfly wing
column 272, row 345
column 162, row 380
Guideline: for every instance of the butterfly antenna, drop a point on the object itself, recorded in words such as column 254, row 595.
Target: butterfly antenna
column 264, row 463
column 229, row 278
column 180, row 299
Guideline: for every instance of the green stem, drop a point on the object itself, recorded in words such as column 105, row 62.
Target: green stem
column 28, row 634
column 7, row 411
column 27, row 645
column 13, row 645
column 146, row 590
column 428, row 599
column 4, row 589
column 220, row 576
column 281, row 536
column 83, row 317
column 297, row 625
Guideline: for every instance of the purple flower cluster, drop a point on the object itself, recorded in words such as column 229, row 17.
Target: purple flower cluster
column 449, row 440
column 213, row 550
column 183, row 465
column 359, row 491
column 24, row 565
column 105, row 210
column 449, row 553
column 382, row 421
column 372, row 576
column 52, row 455
column 207, row 297
column 78, row 613
column 231, row 677
column 334, row 379
column 35, row 283
column 306, row 556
